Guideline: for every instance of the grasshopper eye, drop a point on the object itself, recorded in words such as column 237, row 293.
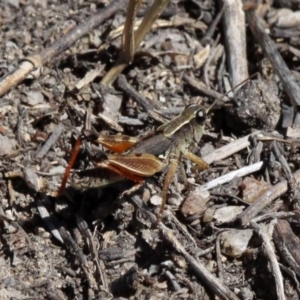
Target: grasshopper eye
column 201, row 116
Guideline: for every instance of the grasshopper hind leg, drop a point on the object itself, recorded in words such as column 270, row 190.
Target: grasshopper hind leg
column 173, row 163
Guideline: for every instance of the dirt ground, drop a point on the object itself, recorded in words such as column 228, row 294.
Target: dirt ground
column 230, row 231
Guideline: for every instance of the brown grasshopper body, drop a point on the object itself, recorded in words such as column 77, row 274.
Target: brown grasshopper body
column 172, row 140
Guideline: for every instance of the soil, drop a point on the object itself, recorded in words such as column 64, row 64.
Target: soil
column 104, row 243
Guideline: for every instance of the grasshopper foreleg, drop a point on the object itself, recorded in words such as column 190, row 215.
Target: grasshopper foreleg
column 195, row 159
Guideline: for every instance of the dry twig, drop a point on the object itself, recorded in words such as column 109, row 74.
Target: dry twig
column 270, row 253
column 212, row 282
column 229, row 176
column 235, row 41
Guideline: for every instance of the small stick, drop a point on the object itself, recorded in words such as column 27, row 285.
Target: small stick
column 173, row 281
column 285, row 167
column 125, row 87
column 201, row 88
column 212, row 27
column 219, row 261
column 261, row 230
column 12, row 194
column 113, row 124
column 235, row 40
column 51, row 141
column 229, row 176
column 149, row 106
column 180, row 227
column 139, row 203
column 277, row 215
column 22, row 117
column 211, row 281
column 3, row 217
column 45, row 216
column 71, row 244
column 288, row 244
column 215, row 285
column 228, row 149
column 85, row 231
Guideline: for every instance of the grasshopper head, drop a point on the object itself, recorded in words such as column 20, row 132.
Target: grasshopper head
column 200, row 116
column 193, row 114
column 198, row 123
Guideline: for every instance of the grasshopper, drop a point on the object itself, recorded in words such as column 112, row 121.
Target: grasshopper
column 138, row 158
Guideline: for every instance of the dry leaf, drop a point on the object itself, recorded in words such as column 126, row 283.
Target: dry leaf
column 201, row 56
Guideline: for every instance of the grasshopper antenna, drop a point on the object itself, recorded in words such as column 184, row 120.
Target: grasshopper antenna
column 70, row 165
column 241, row 83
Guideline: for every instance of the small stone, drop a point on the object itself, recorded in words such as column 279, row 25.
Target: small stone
column 156, row 200
column 235, row 242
